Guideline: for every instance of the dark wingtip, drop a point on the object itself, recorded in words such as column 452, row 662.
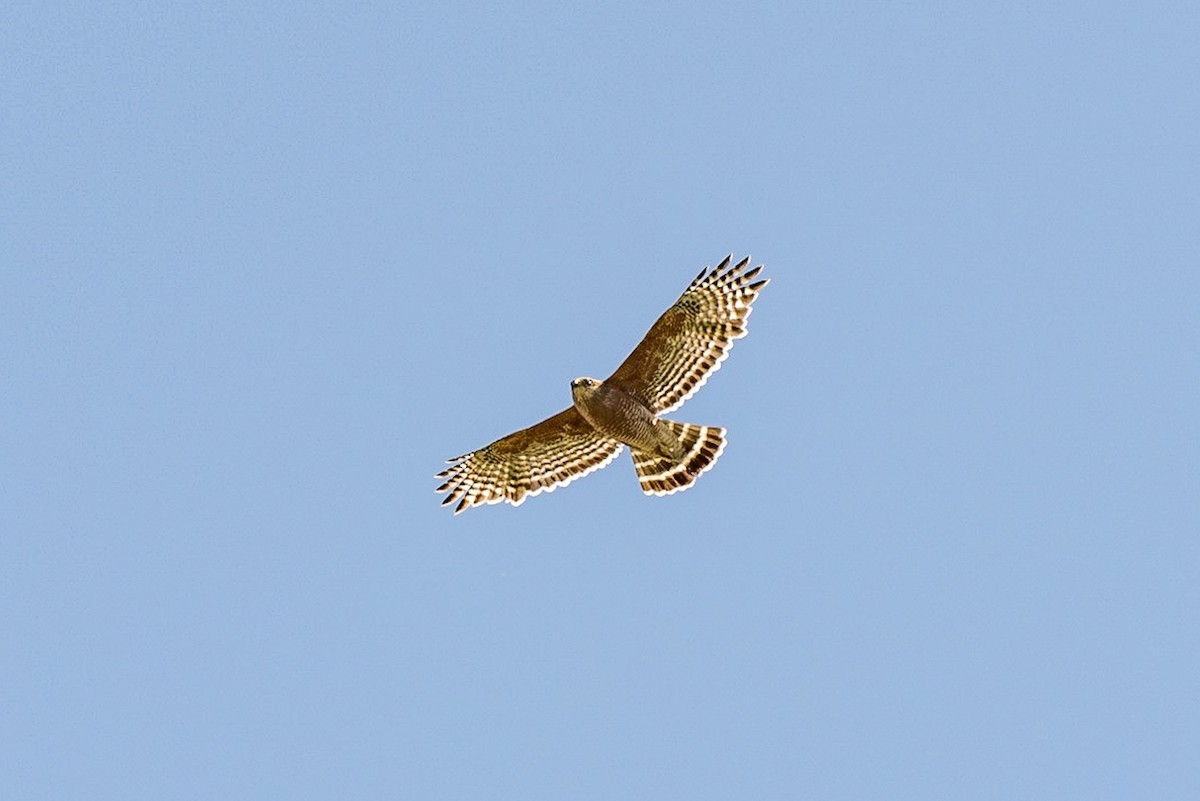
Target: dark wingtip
column 719, row 271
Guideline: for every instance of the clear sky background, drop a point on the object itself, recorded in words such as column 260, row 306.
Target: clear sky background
column 264, row 267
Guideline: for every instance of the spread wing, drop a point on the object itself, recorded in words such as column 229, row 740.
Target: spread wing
column 691, row 339
column 551, row 454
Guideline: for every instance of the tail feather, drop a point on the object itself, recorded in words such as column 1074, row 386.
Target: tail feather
column 662, row 476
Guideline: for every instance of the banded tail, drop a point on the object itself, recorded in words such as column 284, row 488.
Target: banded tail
column 662, row 476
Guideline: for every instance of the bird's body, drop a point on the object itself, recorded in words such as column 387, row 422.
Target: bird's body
column 683, row 347
column 617, row 414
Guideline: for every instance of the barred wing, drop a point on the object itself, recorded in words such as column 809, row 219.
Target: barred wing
column 551, row 454
column 691, row 339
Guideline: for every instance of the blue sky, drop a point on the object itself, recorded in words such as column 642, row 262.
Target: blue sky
column 265, row 267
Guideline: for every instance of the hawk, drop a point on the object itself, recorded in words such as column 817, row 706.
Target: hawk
column 677, row 355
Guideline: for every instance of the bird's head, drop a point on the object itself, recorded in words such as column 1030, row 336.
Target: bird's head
column 583, row 386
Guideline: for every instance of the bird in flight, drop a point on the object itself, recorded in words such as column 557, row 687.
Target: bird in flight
column 677, row 355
